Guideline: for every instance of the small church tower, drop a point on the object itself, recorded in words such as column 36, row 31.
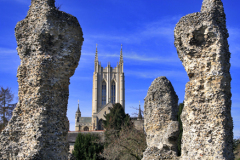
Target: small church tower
column 139, row 113
column 77, row 119
column 108, row 89
column 139, row 120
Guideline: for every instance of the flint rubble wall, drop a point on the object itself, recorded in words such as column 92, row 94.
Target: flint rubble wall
column 49, row 45
column 202, row 46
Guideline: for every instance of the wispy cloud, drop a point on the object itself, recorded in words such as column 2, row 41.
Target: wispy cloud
column 9, row 60
column 8, row 51
column 234, row 35
column 80, row 78
column 139, row 57
column 135, row 90
column 156, row 73
column 236, row 105
column 132, row 38
column 145, row 58
column 163, row 28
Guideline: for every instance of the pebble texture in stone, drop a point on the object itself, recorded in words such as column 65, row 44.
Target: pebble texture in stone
column 202, row 46
column 49, row 45
column 160, row 120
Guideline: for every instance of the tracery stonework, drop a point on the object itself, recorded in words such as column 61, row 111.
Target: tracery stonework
column 49, row 46
column 202, row 46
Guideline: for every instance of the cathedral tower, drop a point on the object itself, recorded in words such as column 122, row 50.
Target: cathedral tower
column 108, row 89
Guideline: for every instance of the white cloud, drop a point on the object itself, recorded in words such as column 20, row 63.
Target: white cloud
column 9, row 60
column 234, row 33
column 78, row 78
column 132, row 38
column 163, row 28
column 7, row 51
column 145, row 58
column 156, row 73
column 236, row 105
column 135, row 90
column 138, row 57
column 87, row 54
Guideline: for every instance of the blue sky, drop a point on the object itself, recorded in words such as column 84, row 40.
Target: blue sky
column 144, row 27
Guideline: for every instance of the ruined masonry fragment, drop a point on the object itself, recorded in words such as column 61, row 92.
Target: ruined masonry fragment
column 202, row 46
column 160, row 120
column 49, row 44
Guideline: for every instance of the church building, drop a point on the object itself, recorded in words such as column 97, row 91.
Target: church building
column 108, row 89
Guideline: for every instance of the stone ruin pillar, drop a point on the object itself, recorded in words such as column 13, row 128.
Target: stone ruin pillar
column 202, row 46
column 160, row 120
column 49, row 46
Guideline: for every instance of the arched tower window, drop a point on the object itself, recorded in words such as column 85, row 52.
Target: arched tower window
column 113, row 92
column 77, row 119
column 103, row 93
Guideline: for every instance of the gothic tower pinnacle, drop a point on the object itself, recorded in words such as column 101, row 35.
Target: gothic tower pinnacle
column 96, row 60
column 121, row 55
column 96, row 54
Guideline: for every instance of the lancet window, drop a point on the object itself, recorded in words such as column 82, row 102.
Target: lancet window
column 113, row 92
column 103, row 93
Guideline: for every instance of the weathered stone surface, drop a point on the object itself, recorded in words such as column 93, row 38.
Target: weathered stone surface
column 160, row 120
column 49, row 45
column 202, row 46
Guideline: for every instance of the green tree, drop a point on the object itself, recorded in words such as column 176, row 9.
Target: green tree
column 117, row 118
column 87, row 147
column 114, row 121
column 6, row 108
column 179, row 140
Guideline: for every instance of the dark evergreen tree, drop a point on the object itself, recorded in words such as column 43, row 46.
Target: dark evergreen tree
column 117, row 118
column 179, row 140
column 87, row 147
column 5, row 107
